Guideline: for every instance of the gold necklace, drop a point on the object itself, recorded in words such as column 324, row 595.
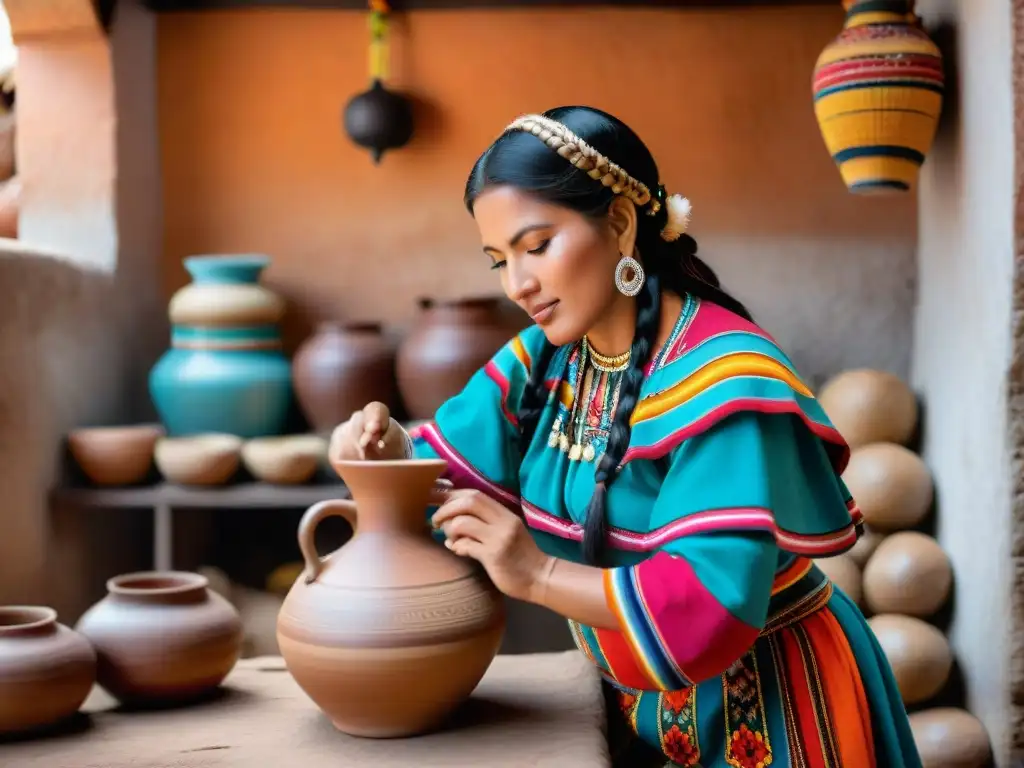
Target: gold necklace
column 607, row 364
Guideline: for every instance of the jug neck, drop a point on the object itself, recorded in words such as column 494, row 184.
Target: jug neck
column 391, row 495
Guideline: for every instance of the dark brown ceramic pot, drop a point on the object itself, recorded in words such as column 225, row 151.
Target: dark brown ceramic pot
column 340, row 369
column 162, row 637
column 450, row 342
column 46, row 669
column 392, row 632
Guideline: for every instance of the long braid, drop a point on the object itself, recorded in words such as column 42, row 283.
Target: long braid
column 535, row 397
column 648, row 323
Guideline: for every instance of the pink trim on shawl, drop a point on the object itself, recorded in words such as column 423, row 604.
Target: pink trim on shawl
column 758, row 404
column 460, row 471
column 711, row 320
column 737, row 518
column 498, row 377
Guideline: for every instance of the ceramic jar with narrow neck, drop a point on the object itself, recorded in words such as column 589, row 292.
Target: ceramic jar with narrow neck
column 878, row 90
column 162, row 637
column 225, row 371
column 450, row 342
column 46, row 669
column 341, row 368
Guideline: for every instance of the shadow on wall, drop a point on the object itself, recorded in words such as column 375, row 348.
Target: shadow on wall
column 63, row 362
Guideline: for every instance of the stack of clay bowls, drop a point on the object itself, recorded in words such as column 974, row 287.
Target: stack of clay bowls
column 900, row 576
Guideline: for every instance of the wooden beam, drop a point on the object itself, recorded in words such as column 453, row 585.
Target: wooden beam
column 410, row 5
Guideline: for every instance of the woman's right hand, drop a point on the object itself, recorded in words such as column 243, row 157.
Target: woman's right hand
column 369, row 434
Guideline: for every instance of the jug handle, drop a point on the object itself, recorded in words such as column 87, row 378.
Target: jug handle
column 307, row 527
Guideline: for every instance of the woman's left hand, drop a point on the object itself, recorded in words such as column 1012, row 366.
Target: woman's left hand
column 477, row 526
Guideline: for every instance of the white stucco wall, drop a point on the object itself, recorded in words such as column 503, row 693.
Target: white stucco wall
column 962, row 341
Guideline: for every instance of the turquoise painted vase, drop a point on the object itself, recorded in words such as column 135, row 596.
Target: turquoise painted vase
column 225, row 370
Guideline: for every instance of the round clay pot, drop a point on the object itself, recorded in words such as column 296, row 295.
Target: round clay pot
column 451, row 342
column 866, row 545
column 918, row 653
column 844, row 573
column 162, row 637
column 340, row 369
column 869, row 406
column 391, row 606
column 46, row 669
column 909, row 573
column 891, row 484
column 947, row 737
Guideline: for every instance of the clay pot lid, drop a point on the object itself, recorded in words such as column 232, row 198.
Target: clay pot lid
column 22, row 619
column 157, row 583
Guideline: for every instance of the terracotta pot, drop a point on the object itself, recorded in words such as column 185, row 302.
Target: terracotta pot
column 391, row 609
column 46, row 669
column 162, row 637
column 451, row 341
column 340, row 369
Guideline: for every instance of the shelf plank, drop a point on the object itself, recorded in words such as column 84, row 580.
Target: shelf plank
column 236, row 496
column 411, row 5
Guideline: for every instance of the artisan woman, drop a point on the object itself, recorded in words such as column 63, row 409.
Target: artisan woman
column 645, row 461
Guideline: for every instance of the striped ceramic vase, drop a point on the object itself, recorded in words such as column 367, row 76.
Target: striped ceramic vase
column 225, row 370
column 878, row 90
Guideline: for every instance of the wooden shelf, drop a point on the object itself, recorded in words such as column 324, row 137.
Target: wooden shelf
column 410, row 5
column 234, row 496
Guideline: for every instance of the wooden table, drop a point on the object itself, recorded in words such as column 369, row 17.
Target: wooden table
column 531, row 710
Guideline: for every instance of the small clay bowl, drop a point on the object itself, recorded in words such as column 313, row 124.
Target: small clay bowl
column 287, row 460
column 120, row 455
column 207, row 459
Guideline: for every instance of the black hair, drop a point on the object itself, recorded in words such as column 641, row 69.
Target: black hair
column 522, row 160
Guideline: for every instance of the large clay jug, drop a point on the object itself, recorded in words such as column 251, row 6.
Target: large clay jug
column 451, row 341
column 225, row 371
column 878, row 89
column 390, row 633
column 46, row 669
column 340, row 369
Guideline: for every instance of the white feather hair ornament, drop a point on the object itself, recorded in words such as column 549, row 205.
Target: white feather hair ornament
column 678, row 210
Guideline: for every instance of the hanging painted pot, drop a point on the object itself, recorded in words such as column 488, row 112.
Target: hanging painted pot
column 878, row 89
column 225, row 370
column 379, row 120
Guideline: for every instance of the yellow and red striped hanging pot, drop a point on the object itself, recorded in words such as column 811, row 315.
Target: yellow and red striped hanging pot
column 878, row 90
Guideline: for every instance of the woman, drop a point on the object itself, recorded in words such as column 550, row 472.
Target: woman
column 645, row 461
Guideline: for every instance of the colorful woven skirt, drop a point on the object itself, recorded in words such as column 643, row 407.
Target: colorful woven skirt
column 815, row 691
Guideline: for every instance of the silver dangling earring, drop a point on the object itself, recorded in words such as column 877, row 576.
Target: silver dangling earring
column 629, row 276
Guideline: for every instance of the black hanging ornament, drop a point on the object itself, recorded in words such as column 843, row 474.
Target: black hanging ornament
column 379, row 118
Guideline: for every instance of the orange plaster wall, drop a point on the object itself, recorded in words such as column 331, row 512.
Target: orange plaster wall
column 254, row 158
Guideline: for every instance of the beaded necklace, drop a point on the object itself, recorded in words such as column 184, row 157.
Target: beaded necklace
column 581, row 429
column 596, row 382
